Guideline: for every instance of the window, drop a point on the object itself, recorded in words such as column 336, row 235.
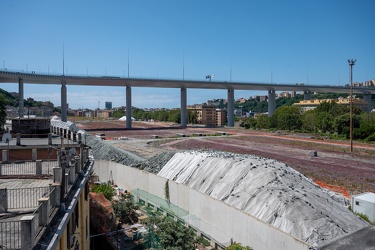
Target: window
column 357, row 203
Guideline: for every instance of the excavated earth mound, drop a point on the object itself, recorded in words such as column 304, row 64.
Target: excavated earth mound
column 267, row 189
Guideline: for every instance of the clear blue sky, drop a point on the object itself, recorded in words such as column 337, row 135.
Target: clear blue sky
column 242, row 40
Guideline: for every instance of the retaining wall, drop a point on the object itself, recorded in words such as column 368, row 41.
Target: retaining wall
column 225, row 222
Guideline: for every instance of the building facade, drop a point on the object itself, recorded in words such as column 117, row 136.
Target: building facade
column 51, row 196
column 306, row 105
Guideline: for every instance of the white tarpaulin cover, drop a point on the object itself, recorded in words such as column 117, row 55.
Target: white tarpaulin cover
column 267, row 189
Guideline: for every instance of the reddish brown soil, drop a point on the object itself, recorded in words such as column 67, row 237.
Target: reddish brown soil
column 333, row 167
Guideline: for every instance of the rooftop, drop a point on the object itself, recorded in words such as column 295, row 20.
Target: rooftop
column 368, row 196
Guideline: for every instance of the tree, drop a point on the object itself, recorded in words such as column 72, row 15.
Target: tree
column 2, row 112
column 175, row 116
column 118, row 113
column 238, row 246
column 341, row 124
column 125, row 209
column 309, row 121
column 262, row 121
column 192, row 116
column 162, row 116
column 171, row 234
column 286, row 118
column 323, row 121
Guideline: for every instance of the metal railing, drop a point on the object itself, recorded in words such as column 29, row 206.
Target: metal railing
column 23, row 198
column 10, row 234
column 27, row 168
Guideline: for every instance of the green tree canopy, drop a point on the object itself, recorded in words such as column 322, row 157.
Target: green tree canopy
column 286, row 118
column 238, row 246
column 125, row 209
column 262, row 121
column 2, row 112
column 171, row 234
column 309, row 121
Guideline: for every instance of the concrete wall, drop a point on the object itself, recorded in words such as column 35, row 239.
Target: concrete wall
column 216, row 217
column 364, row 207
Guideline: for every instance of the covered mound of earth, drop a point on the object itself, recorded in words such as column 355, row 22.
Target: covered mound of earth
column 268, row 190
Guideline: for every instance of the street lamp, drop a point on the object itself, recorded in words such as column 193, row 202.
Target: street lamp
column 210, row 76
column 351, row 64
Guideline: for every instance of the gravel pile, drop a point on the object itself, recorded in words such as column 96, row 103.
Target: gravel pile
column 102, row 150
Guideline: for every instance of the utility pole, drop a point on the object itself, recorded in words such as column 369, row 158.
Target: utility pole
column 63, row 58
column 351, row 64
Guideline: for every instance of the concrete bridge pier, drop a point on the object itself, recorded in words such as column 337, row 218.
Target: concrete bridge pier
column 367, row 98
column 64, row 102
column 183, row 107
column 128, row 107
column 230, row 108
column 307, row 95
column 20, row 97
column 271, row 102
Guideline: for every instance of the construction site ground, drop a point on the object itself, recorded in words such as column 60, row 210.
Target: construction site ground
column 334, row 167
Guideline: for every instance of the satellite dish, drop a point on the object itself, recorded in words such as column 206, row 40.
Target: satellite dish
column 72, row 151
column 7, row 137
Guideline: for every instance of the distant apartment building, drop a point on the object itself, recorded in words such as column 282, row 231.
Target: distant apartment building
column 104, row 113
column 369, row 83
column 108, row 105
column 241, row 100
column 209, row 115
column 221, row 117
column 261, row 98
column 306, row 105
column 238, row 112
column 284, row 94
column 84, row 113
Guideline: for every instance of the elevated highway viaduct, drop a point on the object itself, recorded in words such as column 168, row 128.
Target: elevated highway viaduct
column 34, row 78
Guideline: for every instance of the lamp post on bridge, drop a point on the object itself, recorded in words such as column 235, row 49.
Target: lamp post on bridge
column 210, row 76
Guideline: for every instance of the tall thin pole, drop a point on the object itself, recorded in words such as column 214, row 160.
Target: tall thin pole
column 183, row 67
column 271, row 76
column 351, row 64
column 128, row 62
column 63, row 59
column 307, row 75
column 230, row 70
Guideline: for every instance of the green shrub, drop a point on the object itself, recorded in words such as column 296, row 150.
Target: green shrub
column 371, row 137
column 238, row 246
column 105, row 188
column 363, row 216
